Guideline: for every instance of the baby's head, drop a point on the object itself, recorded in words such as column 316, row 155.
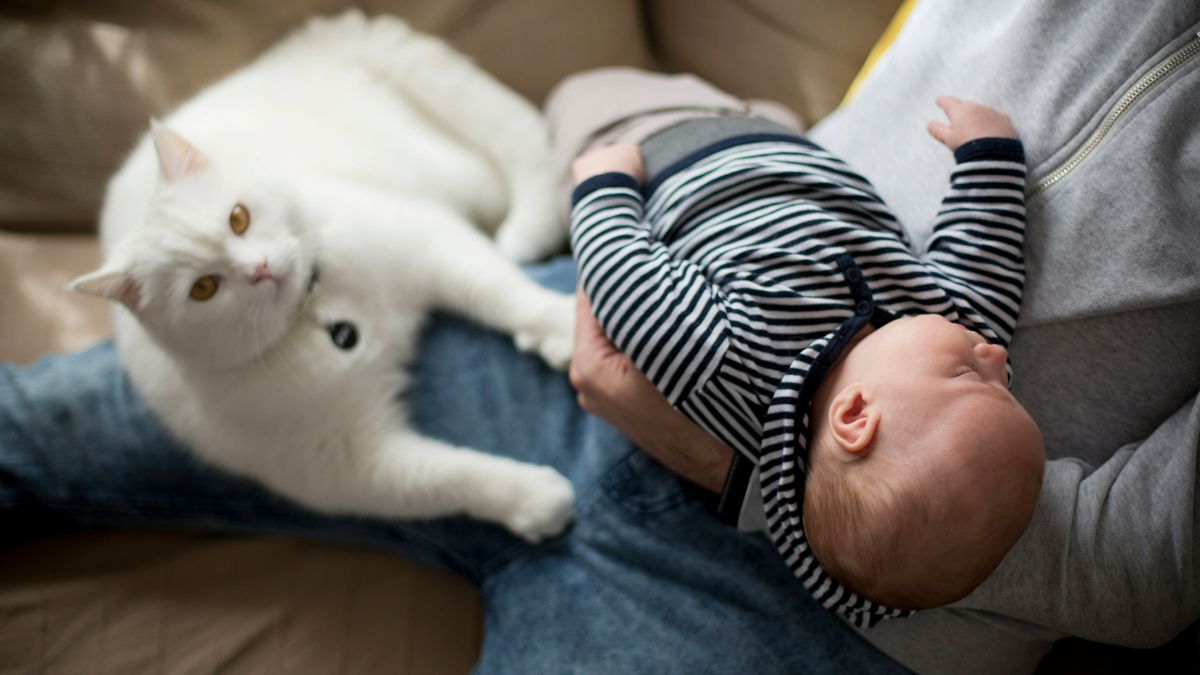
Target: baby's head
column 923, row 468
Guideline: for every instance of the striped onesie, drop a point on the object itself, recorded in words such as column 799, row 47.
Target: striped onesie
column 736, row 278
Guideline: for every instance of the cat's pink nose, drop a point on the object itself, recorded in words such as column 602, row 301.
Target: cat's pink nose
column 261, row 273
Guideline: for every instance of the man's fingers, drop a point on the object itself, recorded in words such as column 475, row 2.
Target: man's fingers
column 597, row 363
column 587, row 329
column 583, row 306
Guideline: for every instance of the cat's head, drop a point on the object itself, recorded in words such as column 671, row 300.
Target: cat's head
column 221, row 266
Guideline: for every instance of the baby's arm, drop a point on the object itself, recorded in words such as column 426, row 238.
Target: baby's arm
column 658, row 309
column 975, row 251
column 969, row 121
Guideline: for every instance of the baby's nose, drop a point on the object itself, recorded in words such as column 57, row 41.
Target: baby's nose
column 992, row 351
column 993, row 357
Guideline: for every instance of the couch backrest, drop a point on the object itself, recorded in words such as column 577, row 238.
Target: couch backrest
column 79, row 79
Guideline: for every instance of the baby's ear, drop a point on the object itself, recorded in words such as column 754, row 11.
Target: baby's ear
column 111, row 284
column 853, row 420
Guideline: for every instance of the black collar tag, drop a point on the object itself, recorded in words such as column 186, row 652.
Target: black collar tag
column 343, row 333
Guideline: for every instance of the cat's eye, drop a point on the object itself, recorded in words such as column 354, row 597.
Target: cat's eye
column 204, row 288
column 239, row 220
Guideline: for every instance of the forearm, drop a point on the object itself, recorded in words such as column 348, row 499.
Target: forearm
column 630, row 281
column 984, row 205
column 653, row 305
column 611, row 387
column 632, row 403
column 976, row 249
column 607, row 207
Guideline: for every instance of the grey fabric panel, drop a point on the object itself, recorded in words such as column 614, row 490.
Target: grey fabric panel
column 672, row 144
column 1106, row 355
column 1055, row 66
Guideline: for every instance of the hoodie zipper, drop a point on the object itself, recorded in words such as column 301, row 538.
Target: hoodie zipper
column 1165, row 67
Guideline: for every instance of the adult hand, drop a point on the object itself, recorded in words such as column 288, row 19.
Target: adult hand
column 968, row 121
column 611, row 387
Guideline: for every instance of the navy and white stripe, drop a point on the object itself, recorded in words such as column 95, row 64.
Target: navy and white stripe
column 729, row 283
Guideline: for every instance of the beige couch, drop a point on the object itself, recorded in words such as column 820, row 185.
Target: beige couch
column 78, row 81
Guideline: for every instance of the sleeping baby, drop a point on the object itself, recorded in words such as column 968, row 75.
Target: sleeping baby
column 773, row 298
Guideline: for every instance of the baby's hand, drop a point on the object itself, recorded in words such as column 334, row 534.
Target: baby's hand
column 622, row 158
column 968, row 121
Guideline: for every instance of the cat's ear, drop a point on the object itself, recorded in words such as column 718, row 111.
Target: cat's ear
column 111, row 284
column 176, row 157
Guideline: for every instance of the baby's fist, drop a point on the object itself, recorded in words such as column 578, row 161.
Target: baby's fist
column 622, row 158
column 968, row 121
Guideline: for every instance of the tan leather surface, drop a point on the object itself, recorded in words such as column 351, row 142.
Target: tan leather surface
column 132, row 603
column 37, row 313
column 802, row 54
column 79, row 80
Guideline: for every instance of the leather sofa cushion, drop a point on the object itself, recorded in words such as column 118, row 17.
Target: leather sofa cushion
column 80, row 79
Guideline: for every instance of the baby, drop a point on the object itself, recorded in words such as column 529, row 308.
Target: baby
column 773, row 298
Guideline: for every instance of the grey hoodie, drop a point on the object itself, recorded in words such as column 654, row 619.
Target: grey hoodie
column 1107, row 351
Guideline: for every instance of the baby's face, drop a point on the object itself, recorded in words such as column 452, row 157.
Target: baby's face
column 947, row 386
column 935, row 350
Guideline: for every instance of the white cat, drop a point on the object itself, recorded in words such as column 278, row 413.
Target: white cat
column 275, row 245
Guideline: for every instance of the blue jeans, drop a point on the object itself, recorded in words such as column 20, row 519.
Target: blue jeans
column 645, row 580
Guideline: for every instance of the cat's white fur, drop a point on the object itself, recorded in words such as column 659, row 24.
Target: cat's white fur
column 364, row 150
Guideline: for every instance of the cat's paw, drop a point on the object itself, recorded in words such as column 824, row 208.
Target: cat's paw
column 518, row 247
column 532, row 230
column 545, row 506
column 352, row 33
column 551, row 334
column 390, row 30
column 347, row 27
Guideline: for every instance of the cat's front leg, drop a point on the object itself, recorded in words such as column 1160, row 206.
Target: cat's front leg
column 468, row 275
column 410, row 475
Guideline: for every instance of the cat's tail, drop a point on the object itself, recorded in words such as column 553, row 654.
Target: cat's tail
column 472, row 106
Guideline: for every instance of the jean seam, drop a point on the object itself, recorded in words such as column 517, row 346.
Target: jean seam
column 585, row 503
column 616, row 492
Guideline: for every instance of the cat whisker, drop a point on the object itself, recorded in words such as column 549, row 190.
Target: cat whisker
column 258, row 343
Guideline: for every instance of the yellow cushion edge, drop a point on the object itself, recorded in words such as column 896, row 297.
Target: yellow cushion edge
column 881, row 46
